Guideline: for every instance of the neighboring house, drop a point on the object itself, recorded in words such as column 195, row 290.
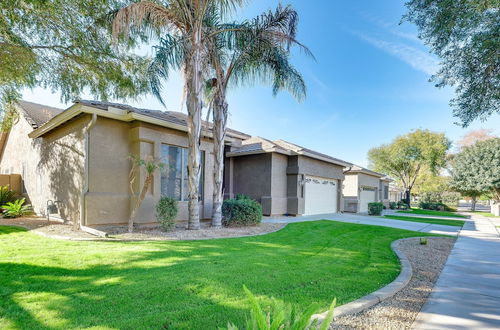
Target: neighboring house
column 79, row 159
column 285, row 178
column 363, row 186
column 396, row 193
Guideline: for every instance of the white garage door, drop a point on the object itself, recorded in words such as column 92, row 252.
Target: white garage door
column 320, row 195
column 367, row 195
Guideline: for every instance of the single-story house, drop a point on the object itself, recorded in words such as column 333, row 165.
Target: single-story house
column 78, row 159
column 285, row 178
column 363, row 186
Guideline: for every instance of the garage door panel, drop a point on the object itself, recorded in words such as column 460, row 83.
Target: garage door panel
column 367, row 195
column 320, row 195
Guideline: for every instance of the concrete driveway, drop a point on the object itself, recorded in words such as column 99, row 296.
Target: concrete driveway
column 370, row 220
column 467, row 293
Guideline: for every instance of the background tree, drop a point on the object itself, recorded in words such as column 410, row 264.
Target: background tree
column 427, row 181
column 150, row 166
column 253, row 51
column 473, row 137
column 464, row 34
column 65, row 45
column 183, row 21
column 409, row 154
column 476, row 170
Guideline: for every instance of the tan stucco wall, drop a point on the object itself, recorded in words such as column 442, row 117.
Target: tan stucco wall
column 351, row 185
column 109, row 199
column 279, row 199
column 51, row 167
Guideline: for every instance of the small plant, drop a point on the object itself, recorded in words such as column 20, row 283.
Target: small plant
column 375, row 208
column 402, row 205
column 16, row 209
column 423, row 241
column 166, row 211
column 242, row 211
column 283, row 316
column 6, row 195
column 393, row 205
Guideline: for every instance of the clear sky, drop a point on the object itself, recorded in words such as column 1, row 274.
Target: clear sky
column 369, row 83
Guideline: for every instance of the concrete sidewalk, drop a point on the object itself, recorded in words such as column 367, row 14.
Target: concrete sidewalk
column 370, row 220
column 467, row 293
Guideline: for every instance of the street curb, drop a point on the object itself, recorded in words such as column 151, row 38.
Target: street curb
column 380, row 295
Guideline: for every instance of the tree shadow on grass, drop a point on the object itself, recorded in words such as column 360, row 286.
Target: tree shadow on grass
column 193, row 284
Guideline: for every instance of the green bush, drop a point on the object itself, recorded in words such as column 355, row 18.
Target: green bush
column 6, row 195
column 16, row 209
column 393, row 205
column 402, row 205
column 242, row 211
column 451, row 198
column 166, row 211
column 283, row 316
column 433, row 206
column 375, row 208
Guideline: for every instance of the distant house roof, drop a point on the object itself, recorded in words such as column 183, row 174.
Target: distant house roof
column 258, row 145
column 44, row 119
column 358, row 169
column 37, row 114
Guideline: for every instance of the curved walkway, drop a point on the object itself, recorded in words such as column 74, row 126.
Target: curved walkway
column 370, row 220
column 467, row 293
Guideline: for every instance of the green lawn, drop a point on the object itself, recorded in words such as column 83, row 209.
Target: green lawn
column 432, row 212
column 53, row 284
column 458, row 223
column 485, row 214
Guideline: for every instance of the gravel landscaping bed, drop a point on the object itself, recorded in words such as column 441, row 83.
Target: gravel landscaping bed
column 400, row 311
column 60, row 230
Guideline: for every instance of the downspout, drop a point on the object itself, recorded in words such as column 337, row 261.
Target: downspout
column 85, row 188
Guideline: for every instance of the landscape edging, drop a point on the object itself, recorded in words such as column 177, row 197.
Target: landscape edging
column 380, row 295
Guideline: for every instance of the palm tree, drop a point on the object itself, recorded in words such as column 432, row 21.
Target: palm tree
column 183, row 21
column 256, row 50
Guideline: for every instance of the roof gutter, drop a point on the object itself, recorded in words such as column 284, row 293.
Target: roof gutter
column 124, row 115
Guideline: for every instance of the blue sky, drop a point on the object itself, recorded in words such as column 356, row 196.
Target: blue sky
column 369, row 83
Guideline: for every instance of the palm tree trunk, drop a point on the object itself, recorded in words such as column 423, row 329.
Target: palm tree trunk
column 220, row 108
column 139, row 201
column 194, row 107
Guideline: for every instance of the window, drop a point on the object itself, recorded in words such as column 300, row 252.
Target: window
column 386, row 192
column 174, row 176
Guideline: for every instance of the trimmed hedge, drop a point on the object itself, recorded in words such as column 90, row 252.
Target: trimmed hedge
column 241, row 211
column 393, row 205
column 375, row 208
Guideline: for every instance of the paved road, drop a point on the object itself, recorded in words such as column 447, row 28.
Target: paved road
column 370, row 220
column 467, row 293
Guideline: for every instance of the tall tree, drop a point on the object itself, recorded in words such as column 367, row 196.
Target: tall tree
column 473, row 137
column 65, row 45
column 182, row 23
column 465, row 35
column 476, row 170
column 253, row 51
column 406, row 156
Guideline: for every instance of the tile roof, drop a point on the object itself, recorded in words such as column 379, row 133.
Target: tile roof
column 38, row 114
column 169, row 116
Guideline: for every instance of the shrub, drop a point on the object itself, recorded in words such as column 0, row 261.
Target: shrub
column 6, row 195
column 433, row 206
column 282, row 316
column 375, row 208
column 402, row 205
column 242, row 211
column 393, row 205
column 451, row 198
column 16, row 209
column 166, row 211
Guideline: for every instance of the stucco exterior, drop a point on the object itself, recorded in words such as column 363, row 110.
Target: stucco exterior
column 277, row 180
column 358, row 179
column 51, row 168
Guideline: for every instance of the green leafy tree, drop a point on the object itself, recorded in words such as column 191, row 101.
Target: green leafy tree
column 476, row 170
column 65, row 45
column 408, row 155
column 253, row 51
column 464, row 34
